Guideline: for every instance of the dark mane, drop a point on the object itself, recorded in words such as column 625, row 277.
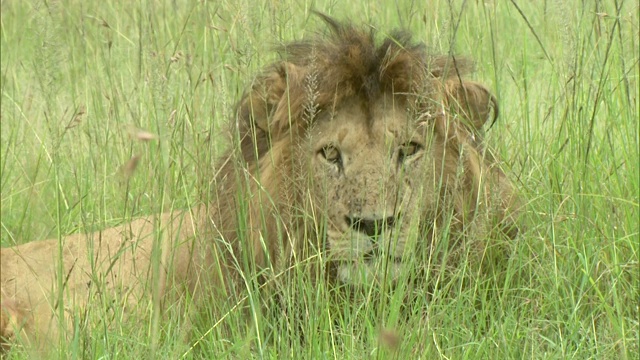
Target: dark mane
column 350, row 62
column 327, row 68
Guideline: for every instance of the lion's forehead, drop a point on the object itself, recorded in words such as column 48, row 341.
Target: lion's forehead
column 360, row 125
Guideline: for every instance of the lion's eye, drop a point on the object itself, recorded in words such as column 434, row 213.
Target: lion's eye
column 331, row 154
column 407, row 150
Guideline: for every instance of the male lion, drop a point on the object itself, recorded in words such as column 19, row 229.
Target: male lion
column 357, row 150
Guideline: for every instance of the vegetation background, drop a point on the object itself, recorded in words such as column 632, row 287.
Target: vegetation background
column 80, row 80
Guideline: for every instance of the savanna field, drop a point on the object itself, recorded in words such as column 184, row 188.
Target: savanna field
column 112, row 110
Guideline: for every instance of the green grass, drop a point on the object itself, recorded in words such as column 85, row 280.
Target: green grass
column 77, row 76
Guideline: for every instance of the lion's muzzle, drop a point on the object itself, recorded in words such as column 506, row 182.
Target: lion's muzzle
column 370, row 227
column 373, row 253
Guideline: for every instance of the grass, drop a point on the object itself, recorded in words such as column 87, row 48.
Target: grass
column 79, row 76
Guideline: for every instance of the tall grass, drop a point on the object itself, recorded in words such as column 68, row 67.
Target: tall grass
column 81, row 79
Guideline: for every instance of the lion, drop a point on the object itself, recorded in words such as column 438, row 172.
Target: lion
column 348, row 149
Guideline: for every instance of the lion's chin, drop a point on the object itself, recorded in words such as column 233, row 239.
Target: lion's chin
column 366, row 273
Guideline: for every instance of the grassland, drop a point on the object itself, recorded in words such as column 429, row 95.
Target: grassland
column 78, row 77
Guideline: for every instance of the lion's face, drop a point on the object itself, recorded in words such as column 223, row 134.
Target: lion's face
column 376, row 147
column 371, row 178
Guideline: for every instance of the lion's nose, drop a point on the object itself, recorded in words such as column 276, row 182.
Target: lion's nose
column 370, row 227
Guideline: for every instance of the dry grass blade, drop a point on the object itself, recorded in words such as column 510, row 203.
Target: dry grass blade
column 141, row 135
column 390, row 339
column 76, row 119
column 130, row 167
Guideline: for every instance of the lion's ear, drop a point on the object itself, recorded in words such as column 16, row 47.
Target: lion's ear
column 265, row 105
column 472, row 101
